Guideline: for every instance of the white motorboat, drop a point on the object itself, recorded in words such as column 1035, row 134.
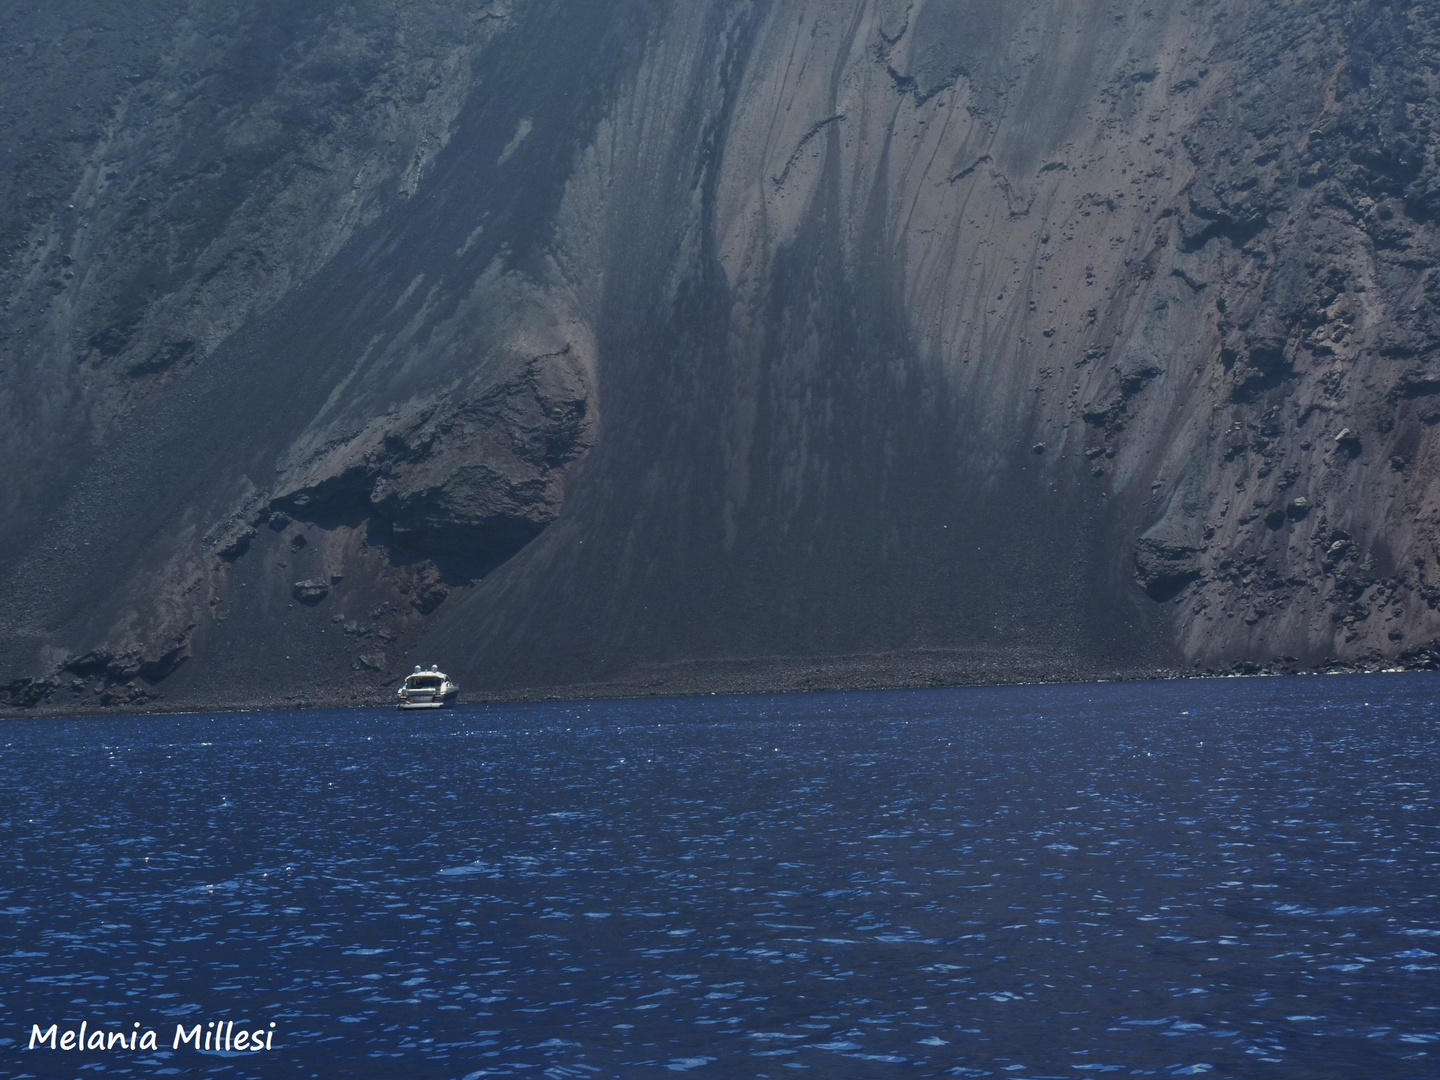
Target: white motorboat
column 427, row 689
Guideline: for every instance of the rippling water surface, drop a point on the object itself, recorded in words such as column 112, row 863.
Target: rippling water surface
column 1236, row 878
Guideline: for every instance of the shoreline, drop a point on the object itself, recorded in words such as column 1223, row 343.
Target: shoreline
column 710, row 678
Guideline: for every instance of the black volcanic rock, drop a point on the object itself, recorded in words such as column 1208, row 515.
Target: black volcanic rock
column 634, row 346
column 310, row 592
column 1163, row 569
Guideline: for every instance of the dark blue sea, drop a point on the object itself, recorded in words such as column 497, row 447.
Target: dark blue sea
column 1238, row 878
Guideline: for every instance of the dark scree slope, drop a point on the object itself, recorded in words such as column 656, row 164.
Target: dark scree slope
column 623, row 346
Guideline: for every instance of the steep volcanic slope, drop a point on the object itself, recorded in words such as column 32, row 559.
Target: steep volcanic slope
column 635, row 344
column 173, row 170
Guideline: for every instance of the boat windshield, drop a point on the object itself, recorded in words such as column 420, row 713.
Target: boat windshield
column 423, row 682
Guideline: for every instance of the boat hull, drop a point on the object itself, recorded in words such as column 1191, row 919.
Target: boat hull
column 433, row 703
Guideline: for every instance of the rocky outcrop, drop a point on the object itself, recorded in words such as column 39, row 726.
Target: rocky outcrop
column 310, row 591
column 566, row 343
column 1163, row 569
column 473, row 477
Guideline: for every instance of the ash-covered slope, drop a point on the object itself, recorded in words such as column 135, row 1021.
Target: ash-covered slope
column 629, row 345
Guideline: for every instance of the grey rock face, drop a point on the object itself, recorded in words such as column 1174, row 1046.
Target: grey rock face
column 611, row 345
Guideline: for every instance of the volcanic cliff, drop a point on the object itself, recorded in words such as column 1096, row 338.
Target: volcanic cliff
column 629, row 345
